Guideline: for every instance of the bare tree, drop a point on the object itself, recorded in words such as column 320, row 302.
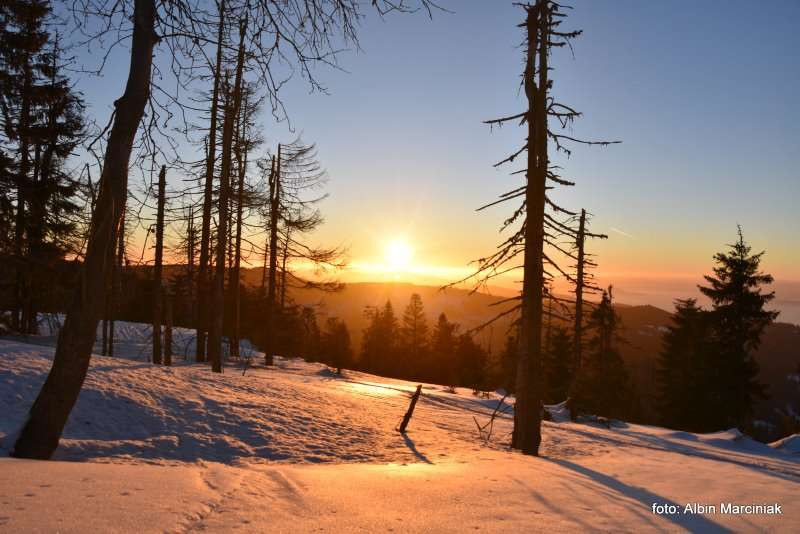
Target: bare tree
column 158, row 269
column 203, row 316
column 281, row 30
column 535, row 244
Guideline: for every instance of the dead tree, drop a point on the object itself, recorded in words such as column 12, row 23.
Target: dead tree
column 242, row 146
column 203, row 317
column 167, row 327
column 274, row 213
column 534, row 246
column 158, row 269
column 116, row 284
column 185, row 30
column 233, row 101
column 583, row 283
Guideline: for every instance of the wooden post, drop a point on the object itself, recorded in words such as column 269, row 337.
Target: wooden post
column 410, row 411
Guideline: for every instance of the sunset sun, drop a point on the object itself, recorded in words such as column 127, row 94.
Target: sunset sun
column 398, row 254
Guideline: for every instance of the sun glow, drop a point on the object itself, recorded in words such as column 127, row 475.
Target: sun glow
column 398, row 255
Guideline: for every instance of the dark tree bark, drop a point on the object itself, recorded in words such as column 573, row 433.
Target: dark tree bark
column 49, row 413
column 579, row 284
column 203, row 288
column 167, row 328
column 158, row 270
column 241, row 157
column 232, row 103
column 116, row 283
column 274, row 217
column 527, row 434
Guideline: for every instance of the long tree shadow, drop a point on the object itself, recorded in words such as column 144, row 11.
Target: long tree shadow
column 410, row 444
column 655, row 443
column 691, row 522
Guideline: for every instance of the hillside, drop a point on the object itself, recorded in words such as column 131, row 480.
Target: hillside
column 643, row 328
column 181, row 449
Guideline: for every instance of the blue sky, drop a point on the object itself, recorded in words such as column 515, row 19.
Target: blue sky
column 702, row 94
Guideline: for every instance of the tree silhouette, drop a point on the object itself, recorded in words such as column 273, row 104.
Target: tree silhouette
column 414, row 330
column 685, row 377
column 184, row 28
column 603, row 386
column 738, row 321
column 335, row 345
column 534, row 246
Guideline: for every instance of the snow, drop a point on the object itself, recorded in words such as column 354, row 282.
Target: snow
column 299, row 448
column 789, row 444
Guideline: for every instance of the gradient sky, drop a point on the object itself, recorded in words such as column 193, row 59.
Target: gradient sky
column 702, row 94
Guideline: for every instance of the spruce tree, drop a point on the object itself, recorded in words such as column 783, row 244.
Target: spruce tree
column 471, row 360
column 379, row 344
column 414, row 334
column 738, row 320
column 684, row 375
column 335, row 345
column 42, row 123
column 557, row 365
column 443, row 352
column 603, row 387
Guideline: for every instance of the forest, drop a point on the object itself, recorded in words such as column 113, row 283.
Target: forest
column 194, row 213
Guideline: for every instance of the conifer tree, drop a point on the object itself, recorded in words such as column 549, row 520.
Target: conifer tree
column 471, row 360
column 443, row 352
column 558, row 365
column 738, row 321
column 380, row 341
column 603, row 386
column 684, row 373
column 414, row 329
column 42, row 123
column 335, row 345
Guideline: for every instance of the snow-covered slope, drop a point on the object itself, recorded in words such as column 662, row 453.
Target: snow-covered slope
column 191, row 450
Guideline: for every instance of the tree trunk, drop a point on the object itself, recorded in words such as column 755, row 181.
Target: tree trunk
column 283, row 269
column 158, row 271
column 579, row 282
column 527, row 411
column 22, row 288
column 203, row 290
column 116, row 283
column 40, row 435
column 168, row 328
column 232, row 103
column 274, row 208
column 241, row 145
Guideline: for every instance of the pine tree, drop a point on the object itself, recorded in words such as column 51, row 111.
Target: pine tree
column 603, row 386
column 738, row 321
column 42, row 123
column 471, row 360
column 684, row 374
column 380, row 341
column 335, row 345
column 444, row 366
column 558, row 365
column 508, row 365
column 414, row 334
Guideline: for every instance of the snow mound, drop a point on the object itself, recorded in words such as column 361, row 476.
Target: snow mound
column 789, row 444
column 559, row 413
